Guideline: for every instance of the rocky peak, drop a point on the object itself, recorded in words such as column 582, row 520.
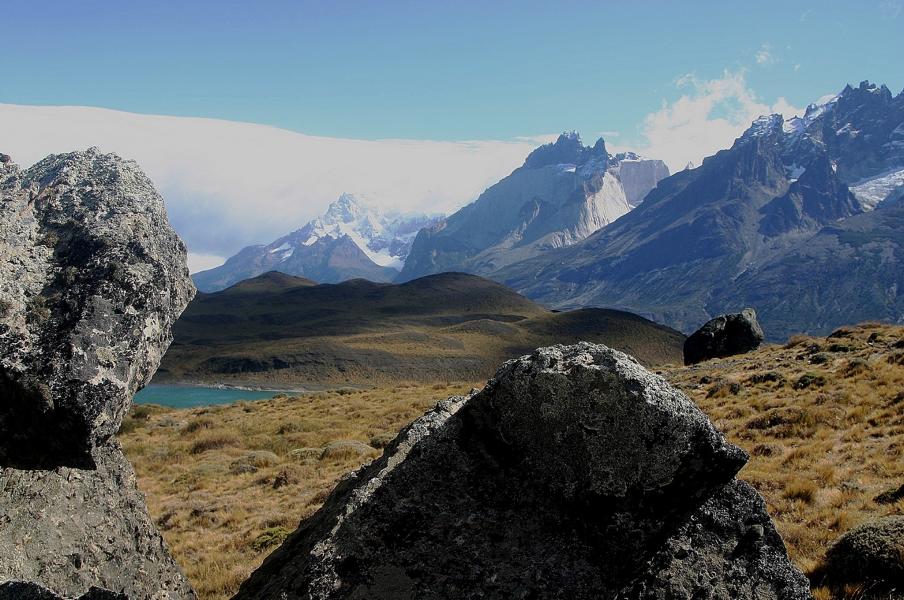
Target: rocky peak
column 568, row 149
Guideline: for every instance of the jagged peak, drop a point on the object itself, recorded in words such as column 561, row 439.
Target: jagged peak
column 567, row 149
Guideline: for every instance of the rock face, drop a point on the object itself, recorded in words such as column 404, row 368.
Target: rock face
column 71, row 529
column 563, row 193
column 92, row 278
column 24, row 590
column 726, row 335
column 575, row 473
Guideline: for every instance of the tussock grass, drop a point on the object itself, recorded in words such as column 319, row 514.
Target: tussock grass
column 826, row 436
column 226, row 484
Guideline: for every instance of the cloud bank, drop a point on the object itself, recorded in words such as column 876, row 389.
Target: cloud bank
column 706, row 118
column 229, row 184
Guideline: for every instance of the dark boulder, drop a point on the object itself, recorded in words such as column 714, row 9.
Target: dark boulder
column 714, row 553
column 870, row 557
column 726, row 335
column 563, row 478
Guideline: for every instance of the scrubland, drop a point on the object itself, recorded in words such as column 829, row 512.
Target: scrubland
column 822, row 420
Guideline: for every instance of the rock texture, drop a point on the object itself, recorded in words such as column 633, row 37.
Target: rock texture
column 726, row 335
column 872, row 555
column 575, row 473
column 24, row 590
column 92, row 278
column 71, row 529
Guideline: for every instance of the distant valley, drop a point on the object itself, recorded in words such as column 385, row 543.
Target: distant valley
column 449, row 327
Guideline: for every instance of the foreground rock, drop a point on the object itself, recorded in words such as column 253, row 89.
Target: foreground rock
column 575, row 473
column 726, row 335
column 71, row 529
column 92, row 278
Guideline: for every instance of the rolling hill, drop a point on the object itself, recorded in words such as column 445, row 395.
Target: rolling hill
column 279, row 329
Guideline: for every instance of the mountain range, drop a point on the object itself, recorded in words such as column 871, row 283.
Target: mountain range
column 801, row 219
column 563, row 192
column 351, row 240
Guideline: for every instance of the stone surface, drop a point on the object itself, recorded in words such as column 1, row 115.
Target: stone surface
column 871, row 553
column 70, row 529
column 562, row 478
column 729, row 548
column 25, row 590
column 92, row 278
column 726, row 335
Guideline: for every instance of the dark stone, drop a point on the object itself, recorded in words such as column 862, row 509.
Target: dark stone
column 731, row 540
column 26, row 590
column 726, row 335
column 562, row 478
column 890, row 496
column 869, row 556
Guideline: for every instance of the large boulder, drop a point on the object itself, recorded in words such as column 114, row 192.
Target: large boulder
column 564, row 477
column 726, row 335
column 72, row 529
column 92, row 278
column 729, row 548
column 869, row 556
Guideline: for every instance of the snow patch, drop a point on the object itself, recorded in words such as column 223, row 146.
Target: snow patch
column 871, row 192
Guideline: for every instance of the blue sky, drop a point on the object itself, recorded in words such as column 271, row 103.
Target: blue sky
column 409, row 87
column 435, row 70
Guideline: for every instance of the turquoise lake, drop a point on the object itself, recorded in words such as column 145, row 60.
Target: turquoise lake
column 189, row 396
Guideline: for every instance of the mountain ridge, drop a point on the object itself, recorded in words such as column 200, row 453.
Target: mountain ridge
column 352, row 239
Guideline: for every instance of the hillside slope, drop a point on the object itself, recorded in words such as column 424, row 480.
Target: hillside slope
column 278, row 329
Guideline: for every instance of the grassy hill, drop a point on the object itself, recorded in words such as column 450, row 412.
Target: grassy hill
column 281, row 330
column 822, row 418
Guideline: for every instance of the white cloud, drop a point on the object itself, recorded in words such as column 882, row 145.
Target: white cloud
column 228, row 184
column 764, row 55
column 709, row 117
column 202, row 262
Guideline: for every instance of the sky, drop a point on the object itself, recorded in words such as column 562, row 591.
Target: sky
column 419, row 105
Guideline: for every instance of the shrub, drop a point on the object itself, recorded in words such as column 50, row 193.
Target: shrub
column 800, row 489
column 809, row 380
column 272, row 536
column 214, row 441
column 197, row 425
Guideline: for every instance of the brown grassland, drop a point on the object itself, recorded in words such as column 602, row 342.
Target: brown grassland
column 822, row 418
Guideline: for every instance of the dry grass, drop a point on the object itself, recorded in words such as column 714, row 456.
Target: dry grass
column 823, row 420
column 227, row 484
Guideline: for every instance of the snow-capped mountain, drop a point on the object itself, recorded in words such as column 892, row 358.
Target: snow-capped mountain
column 564, row 192
column 352, row 239
column 801, row 218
